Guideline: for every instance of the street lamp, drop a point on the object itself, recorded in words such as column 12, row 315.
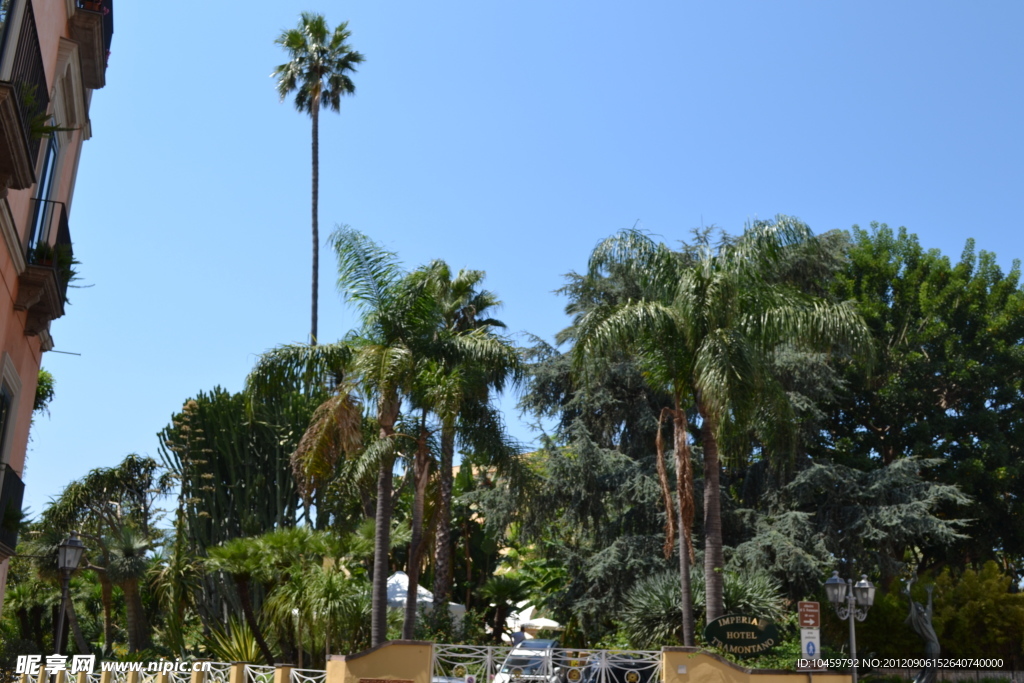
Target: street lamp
column 69, row 554
column 851, row 600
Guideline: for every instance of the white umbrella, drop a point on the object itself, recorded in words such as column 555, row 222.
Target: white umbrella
column 398, row 591
column 540, row 623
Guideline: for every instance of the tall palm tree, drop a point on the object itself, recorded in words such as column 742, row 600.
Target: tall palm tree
column 723, row 311
column 465, row 360
column 454, row 389
column 318, row 72
column 393, row 335
column 650, row 271
column 398, row 341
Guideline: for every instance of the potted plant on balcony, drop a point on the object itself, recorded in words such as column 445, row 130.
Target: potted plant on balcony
column 66, row 271
column 42, row 254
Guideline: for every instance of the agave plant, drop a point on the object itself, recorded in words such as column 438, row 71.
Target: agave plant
column 236, row 643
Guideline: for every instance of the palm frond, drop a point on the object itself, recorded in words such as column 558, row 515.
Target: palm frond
column 367, row 273
column 298, row 367
column 335, row 430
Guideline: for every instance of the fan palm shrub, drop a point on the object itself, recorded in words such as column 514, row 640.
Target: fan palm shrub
column 651, row 611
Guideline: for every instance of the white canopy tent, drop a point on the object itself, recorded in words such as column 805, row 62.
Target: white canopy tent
column 398, row 591
column 523, row 618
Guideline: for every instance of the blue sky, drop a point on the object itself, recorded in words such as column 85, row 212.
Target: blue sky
column 507, row 137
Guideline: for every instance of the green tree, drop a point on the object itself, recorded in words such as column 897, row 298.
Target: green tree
column 243, row 559
column 459, row 394
column 318, row 72
column 880, row 518
column 704, row 326
column 504, row 592
column 980, row 602
column 108, row 505
column 947, row 381
column 127, row 568
column 393, row 336
column 317, row 372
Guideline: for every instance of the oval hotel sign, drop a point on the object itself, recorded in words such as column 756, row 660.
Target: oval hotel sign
column 741, row 635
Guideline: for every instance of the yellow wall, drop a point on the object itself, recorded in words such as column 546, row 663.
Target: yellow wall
column 401, row 660
column 689, row 665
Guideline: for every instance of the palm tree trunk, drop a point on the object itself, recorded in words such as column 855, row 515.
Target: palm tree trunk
column 443, row 539
column 713, row 557
column 250, row 618
column 107, row 596
column 666, row 491
column 387, row 413
column 684, row 488
column 421, row 472
column 315, row 113
column 381, row 545
column 72, row 617
column 137, row 628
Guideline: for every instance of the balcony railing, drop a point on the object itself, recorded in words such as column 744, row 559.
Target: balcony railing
column 43, row 285
column 92, row 26
column 50, row 218
column 26, row 95
column 29, row 75
column 12, row 490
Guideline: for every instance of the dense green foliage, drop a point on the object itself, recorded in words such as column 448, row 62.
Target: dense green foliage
column 845, row 402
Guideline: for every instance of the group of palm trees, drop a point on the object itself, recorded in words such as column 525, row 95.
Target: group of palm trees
column 701, row 322
column 425, row 344
column 427, row 361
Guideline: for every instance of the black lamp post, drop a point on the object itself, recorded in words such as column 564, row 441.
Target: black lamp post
column 851, row 600
column 69, row 554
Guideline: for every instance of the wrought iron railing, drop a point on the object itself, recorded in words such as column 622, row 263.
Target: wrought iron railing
column 118, row 677
column 50, row 218
column 219, row 672
column 307, row 676
column 27, row 74
column 11, row 493
column 259, row 674
column 537, row 664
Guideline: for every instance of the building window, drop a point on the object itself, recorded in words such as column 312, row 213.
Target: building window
column 41, row 218
column 10, row 387
column 6, row 408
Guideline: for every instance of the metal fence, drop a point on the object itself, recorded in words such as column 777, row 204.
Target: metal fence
column 259, row 674
column 307, row 676
column 219, row 673
column 486, row 664
column 179, row 676
column 118, row 677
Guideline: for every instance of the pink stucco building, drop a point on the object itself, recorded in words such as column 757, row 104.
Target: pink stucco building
column 53, row 54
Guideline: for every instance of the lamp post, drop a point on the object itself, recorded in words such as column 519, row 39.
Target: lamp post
column 69, row 554
column 851, row 600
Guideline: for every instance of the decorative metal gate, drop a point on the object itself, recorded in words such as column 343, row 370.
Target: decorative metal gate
column 523, row 664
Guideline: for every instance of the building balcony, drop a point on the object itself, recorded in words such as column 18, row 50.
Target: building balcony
column 92, row 27
column 23, row 99
column 12, row 490
column 43, row 286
